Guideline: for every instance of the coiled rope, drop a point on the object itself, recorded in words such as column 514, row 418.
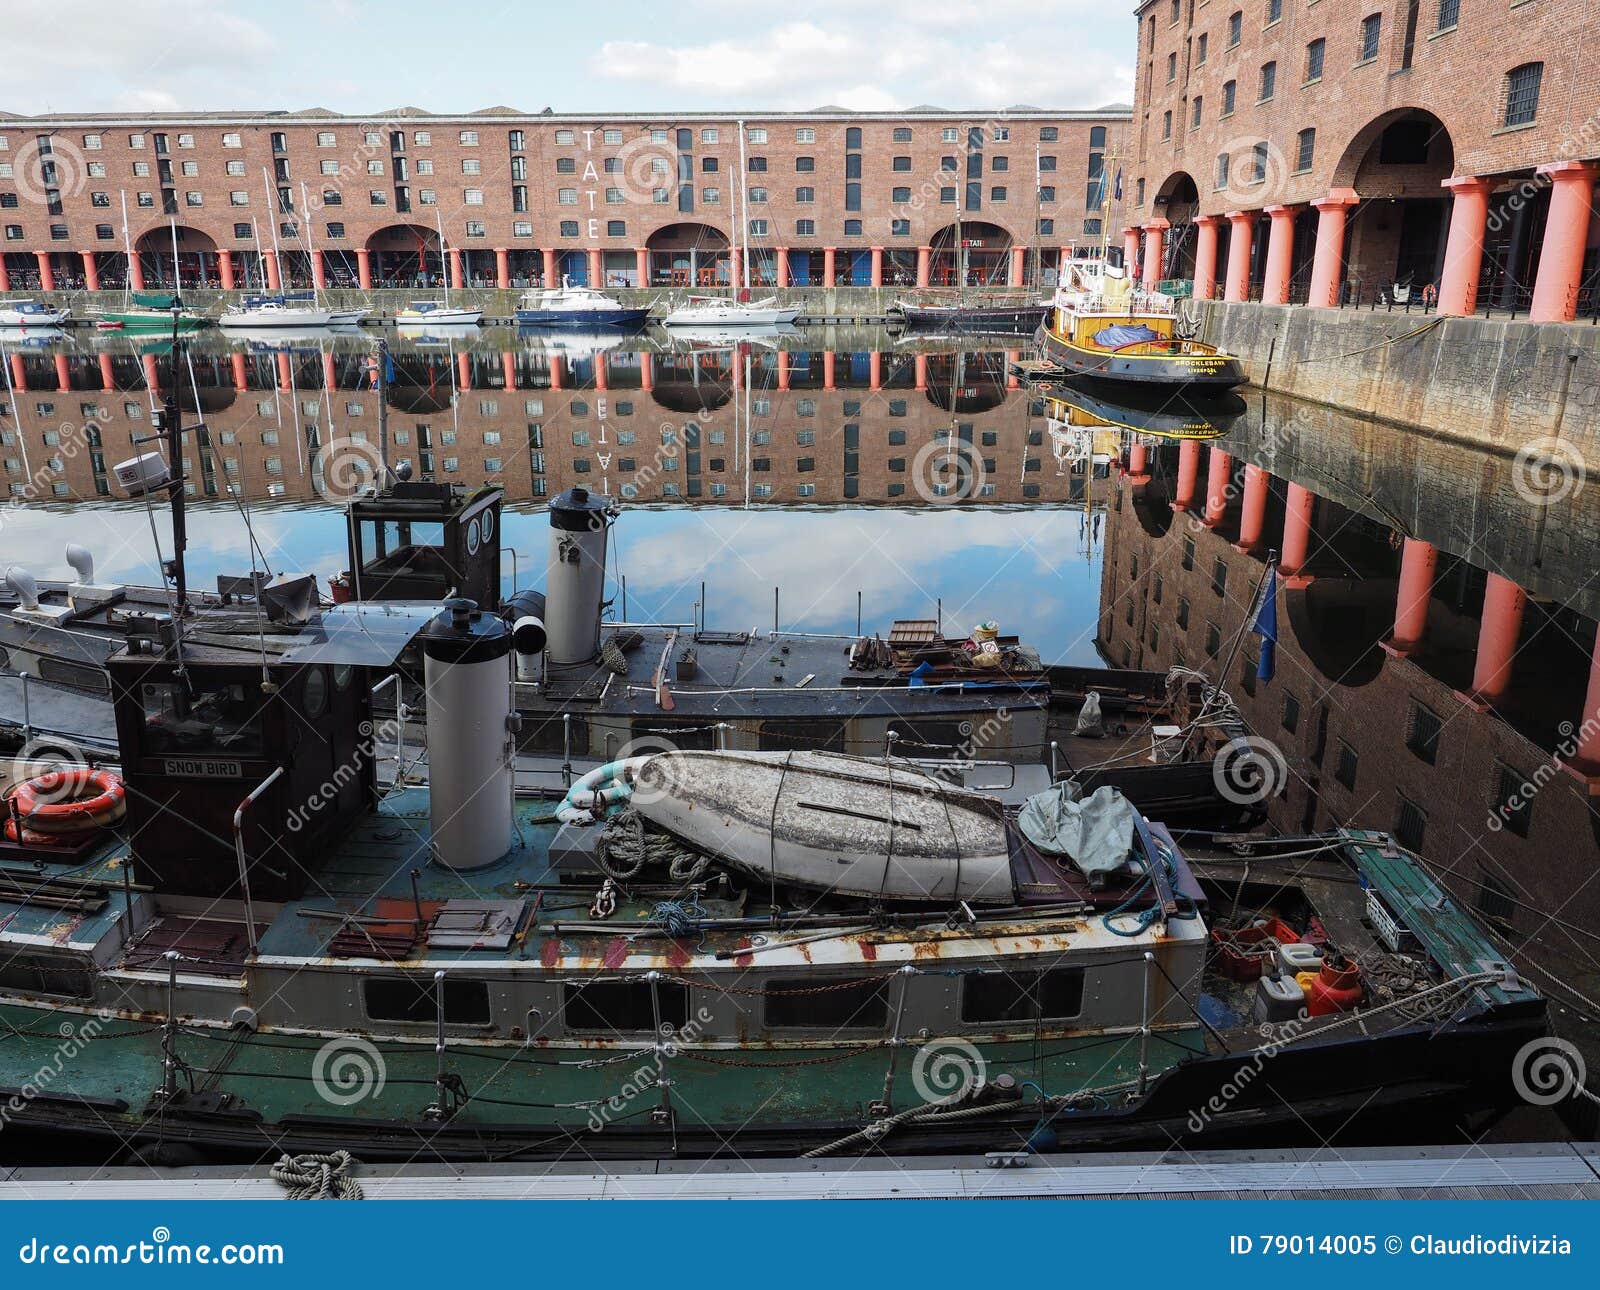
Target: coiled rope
column 318, row 1177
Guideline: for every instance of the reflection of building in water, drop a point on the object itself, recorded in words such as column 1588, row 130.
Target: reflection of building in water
column 710, row 425
column 1415, row 691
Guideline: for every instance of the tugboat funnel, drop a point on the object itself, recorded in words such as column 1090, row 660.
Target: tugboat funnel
column 575, row 574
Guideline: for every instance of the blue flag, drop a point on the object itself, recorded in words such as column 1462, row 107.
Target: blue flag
column 1266, row 627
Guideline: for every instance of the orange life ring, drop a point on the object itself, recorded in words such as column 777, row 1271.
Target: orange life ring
column 58, row 801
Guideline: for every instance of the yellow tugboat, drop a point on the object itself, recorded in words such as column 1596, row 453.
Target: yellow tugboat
column 1100, row 325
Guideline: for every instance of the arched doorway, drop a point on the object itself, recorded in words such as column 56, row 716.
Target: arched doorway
column 1396, row 163
column 688, row 255
column 196, row 258
column 406, row 255
column 983, row 251
column 1178, row 202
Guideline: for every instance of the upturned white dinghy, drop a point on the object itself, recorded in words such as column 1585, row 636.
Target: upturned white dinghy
column 846, row 825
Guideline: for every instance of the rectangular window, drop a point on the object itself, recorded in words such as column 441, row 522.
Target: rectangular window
column 1423, row 738
column 1449, row 13
column 1235, row 27
column 1306, row 149
column 469, row 139
column 756, row 134
column 1291, row 713
column 1269, row 80
column 1371, row 28
column 805, row 196
column 1522, row 93
column 805, row 135
column 1513, row 802
column 997, row 998
column 1410, row 825
column 1314, row 53
column 466, row 1003
column 858, row 1006
column 1200, row 50
column 1344, row 769
column 625, row 1006
column 1274, row 11
column 422, row 138
column 1229, row 88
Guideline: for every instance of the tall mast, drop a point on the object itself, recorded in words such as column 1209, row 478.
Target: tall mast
column 444, row 259
column 272, row 210
column 255, row 237
column 311, row 246
column 177, row 272
column 745, row 277
column 127, row 250
column 961, row 201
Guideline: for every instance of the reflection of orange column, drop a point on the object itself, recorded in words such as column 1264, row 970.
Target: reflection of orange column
column 641, row 265
column 285, row 373
column 600, row 371
column 241, row 373
column 1188, row 473
column 225, row 269
column 464, row 371
column 1240, row 235
column 1205, row 256
column 19, row 373
column 596, row 273
column 108, row 373
column 1418, row 563
column 91, row 272
column 1280, row 255
column 1253, row 510
column 1138, row 463
column 1463, row 245
column 364, row 269
column 1154, row 254
column 875, row 370
column 1013, row 381
column 921, row 365
column 152, row 372
column 550, row 269
column 1218, row 475
column 783, row 369
column 555, row 371
column 63, row 374
column 274, row 281
column 502, row 268
column 877, row 266
column 827, row 370
column 1299, row 508
column 1327, row 264
column 924, row 264
column 1566, row 234
column 1501, row 626
column 330, row 374
column 1585, row 761
column 647, row 372
column 508, row 362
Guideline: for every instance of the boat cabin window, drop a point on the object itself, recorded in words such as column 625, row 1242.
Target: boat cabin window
column 996, row 997
column 224, row 719
column 410, row 554
column 793, row 1006
column 401, row 998
column 60, row 974
column 803, row 735
column 622, row 1006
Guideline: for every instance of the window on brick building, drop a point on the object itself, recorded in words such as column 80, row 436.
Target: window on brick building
column 1166, row 124
column 1235, row 27
column 1410, row 825
column 1449, row 13
column 1194, row 123
column 1513, row 803
column 1200, row 50
column 1314, row 52
column 1258, row 172
column 1306, row 147
column 1423, row 736
column 1371, row 30
column 1269, row 81
column 1522, row 93
column 1172, row 68
column 1344, row 769
column 1274, row 11
column 1229, row 90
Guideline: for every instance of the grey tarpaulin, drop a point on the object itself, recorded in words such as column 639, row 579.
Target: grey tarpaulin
column 1094, row 832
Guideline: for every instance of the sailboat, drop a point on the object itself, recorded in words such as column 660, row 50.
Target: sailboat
column 149, row 310
column 433, row 312
column 714, row 311
column 280, row 310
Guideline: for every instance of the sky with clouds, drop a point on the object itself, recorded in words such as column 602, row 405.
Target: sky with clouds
column 357, row 57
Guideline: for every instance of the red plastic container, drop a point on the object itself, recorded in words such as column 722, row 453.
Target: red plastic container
column 1337, row 987
column 1245, row 952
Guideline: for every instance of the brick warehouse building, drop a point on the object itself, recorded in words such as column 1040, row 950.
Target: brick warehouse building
column 1314, row 152
column 835, row 197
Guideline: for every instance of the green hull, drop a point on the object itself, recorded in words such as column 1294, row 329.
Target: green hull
column 153, row 320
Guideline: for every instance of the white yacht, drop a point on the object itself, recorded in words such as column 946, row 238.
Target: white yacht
column 713, row 311
column 30, row 313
